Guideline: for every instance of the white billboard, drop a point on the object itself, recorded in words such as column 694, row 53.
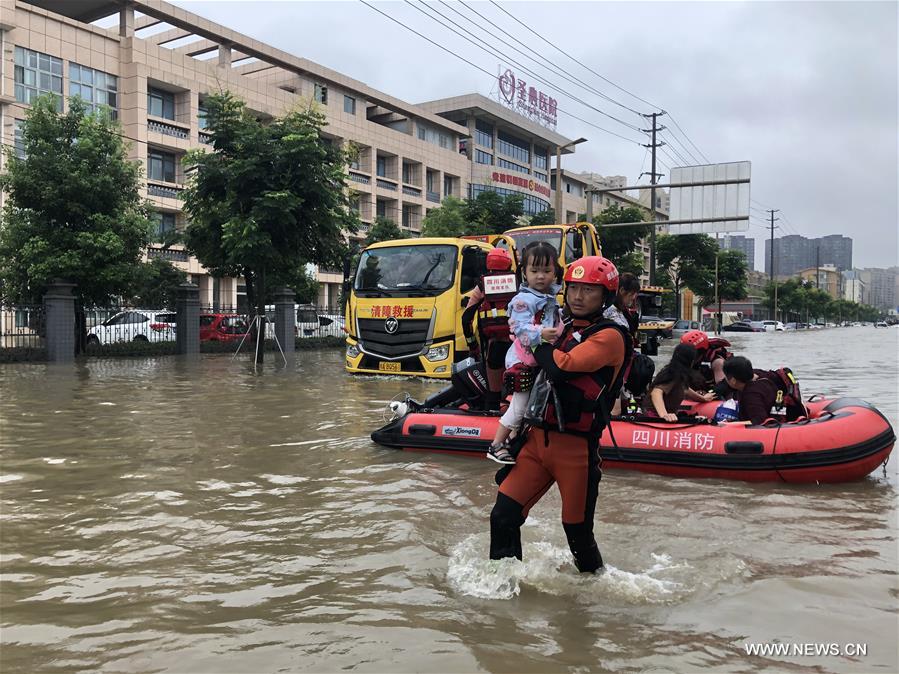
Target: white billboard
column 708, row 209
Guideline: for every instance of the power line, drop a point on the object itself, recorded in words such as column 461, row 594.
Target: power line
column 486, row 72
column 495, row 53
column 552, row 63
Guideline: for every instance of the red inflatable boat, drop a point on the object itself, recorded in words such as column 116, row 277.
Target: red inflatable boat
column 842, row 440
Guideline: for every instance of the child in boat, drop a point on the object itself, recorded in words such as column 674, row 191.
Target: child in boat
column 672, row 385
column 533, row 320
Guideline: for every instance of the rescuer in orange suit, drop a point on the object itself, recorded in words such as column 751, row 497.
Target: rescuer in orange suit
column 585, row 367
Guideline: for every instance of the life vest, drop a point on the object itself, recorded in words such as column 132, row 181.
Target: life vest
column 717, row 348
column 789, row 398
column 493, row 311
column 586, row 400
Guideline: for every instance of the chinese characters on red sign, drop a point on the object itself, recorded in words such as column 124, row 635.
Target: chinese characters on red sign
column 397, row 311
column 520, row 181
column 527, row 101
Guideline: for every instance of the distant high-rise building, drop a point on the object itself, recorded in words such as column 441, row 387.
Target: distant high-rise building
column 881, row 287
column 741, row 243
column 795, row 252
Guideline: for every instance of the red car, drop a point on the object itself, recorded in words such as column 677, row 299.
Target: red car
column 222, row 327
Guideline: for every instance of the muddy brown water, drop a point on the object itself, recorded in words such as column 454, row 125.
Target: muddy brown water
column 172, row 516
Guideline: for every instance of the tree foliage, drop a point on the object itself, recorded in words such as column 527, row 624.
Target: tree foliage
column 732, row 277
column 547, row 217
column 73, row 210
column 799, row 299
column 156, row 285
column 384, row 229
column 269, row 198
column 688, row 260
column 618, row 243
column 492, row 213
column 448, row 220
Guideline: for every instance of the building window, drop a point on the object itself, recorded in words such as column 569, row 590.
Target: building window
column 382, row 167
column 355, row 204
column 447, row 186
column 95, row 88
column 530, row 203
column 482, row 157
column 540, row 176
column 540, row 157
column 483, row 133
column 349, row 105
column 512, row 166
column 160, row 103
column 165, row 223
column 161, row 166
column 381, row 209
column 37, row 74
column 321, row 93
column 430, row 135
column 513, row 147
column 19, row 139
column 202, row 117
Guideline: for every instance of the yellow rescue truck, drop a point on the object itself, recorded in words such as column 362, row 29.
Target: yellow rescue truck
column 405, row 307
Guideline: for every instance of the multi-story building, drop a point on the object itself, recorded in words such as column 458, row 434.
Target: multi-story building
column 156, row 63
column 743, row 244
column 826, row 277
column 854, row 287
column 796, row 252
column 882, row 287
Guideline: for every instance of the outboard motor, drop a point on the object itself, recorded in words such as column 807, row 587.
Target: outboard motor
column 469, row 384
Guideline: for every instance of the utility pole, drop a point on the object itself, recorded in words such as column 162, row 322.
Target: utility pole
column 652, row 194
column 817, row 266
column 774, row 258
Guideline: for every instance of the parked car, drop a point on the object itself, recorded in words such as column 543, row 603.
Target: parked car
column 310, row 323
column 222, row 327
column 663, row 327
column 743, row 326
column 683, row 326
column 881, row 324
column 134, row 325
column 772, row 326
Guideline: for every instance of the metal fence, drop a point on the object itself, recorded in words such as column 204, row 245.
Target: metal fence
column 221, row 323
column 22, row 327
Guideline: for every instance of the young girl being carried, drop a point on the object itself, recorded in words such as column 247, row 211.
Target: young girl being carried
column 533, row 319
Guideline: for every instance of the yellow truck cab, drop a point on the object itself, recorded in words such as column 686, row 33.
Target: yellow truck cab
column 573, row 241
column 406, row 303
column 652, row 327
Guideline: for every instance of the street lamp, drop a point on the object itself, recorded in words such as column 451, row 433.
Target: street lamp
column 559, row 149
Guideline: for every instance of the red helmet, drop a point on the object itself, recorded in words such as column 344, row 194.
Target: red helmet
column 594, row 270
column 499, row 259
column 696, row 338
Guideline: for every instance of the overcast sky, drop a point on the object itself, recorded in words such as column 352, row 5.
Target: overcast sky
column 807, row 91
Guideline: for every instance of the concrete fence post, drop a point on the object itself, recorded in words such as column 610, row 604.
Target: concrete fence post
column 59, row 307
column 187, row 337
column 286, row 320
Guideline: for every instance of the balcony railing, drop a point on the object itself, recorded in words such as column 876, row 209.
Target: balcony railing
column 169, row 254
column 205, row 138
column 411, row 191
column 167, row 129
column 383, row 184
column 167, row 191
column 434, row 196
column 359, row 178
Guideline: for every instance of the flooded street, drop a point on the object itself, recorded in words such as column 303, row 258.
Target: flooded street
column 168, row 516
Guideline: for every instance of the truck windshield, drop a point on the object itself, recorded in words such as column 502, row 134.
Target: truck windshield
column 401, row 269
column 552, row 235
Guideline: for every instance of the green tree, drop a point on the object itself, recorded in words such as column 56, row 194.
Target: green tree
column 492, row 213
column 384, row 229
column 73, row 210
column 156, row 285
column 448, row 220
column 732, row 275
column 688, row 260
column 268, row 199
column 618, row 243
column 547, row 217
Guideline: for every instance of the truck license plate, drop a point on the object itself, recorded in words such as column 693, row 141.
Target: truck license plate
column 389, row 367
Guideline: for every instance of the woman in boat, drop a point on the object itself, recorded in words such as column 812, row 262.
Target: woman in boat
column 671, row 386
column 562, row 446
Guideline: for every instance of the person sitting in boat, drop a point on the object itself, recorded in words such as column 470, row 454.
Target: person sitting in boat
column 624, row 312
column 489, row 312
column 671, row 386
column 562, row 443
column 764, row 394
column 711, row 354
column 533, row 317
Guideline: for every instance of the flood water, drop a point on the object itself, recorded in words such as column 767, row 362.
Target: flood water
column 174, row 516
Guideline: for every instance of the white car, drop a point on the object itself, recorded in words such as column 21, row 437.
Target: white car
column 772, row 326
column 134, row 325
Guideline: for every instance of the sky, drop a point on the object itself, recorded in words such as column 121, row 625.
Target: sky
column 806, row 91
